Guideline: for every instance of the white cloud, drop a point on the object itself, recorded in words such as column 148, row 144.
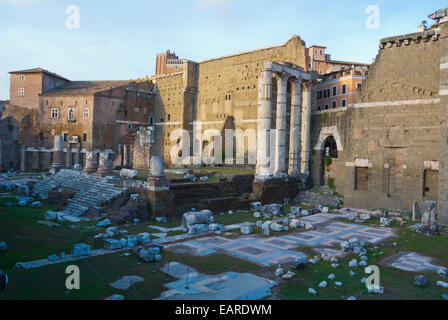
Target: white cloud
column 22, row 3
column 209, row 4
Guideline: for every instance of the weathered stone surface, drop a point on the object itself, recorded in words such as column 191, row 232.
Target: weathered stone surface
column 420, row 281
column 3, row 246
column 201, row 217
column 128, row 173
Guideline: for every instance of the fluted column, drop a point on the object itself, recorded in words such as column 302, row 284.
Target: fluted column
column 23, row 159
column 58, row 153
column 294, row 139
column 306, row 128
column 78, row 160
column 69, row 156
column 280, row 137
column 263, row 171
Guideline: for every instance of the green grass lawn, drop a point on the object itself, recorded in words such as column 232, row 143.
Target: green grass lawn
column 398, row 284
column 48, row 283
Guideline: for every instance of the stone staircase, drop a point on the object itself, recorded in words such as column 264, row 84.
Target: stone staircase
column 92, row 192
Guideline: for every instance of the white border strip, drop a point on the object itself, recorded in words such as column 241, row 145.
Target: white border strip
column 444, row 66
column 395, row 103
column 443, row 92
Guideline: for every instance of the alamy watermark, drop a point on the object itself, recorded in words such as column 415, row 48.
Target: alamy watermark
column 73, row 21
column 373, row 20
column 73, row 281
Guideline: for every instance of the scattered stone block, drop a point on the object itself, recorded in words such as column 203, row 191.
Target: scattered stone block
column 420, row 281
column 312, row 291
column 127, row 173
column 279, row 272
column 246, row 229
column 105, row 223
column 353, row 263
column 162, row 219
column 81, row 250
column 338, row 284
column 111, row 244
column 332, row 277
column 386, row 222
column 256, row 206
column 36, row 204
column 442, row 284
column 323, row 284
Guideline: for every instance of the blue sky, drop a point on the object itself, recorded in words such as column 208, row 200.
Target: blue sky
column 119, row 39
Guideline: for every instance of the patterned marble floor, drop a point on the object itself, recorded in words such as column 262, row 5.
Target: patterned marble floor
column 280, row 249
column 414, row 262
column 192, row 285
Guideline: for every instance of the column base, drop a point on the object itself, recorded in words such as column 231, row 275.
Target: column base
column 56, row 167
column 103, row 172
column 275, row 190
column 160, row 197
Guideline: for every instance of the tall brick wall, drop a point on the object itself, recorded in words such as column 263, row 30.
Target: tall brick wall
column 393, row 130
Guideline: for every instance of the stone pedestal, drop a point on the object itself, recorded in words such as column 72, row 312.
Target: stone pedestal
column 91, row 162
column 275, row 190
column 58, row 154
column 105, row 164
column 159, row 194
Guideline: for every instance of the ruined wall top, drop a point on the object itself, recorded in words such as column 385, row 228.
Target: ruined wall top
column 411, row 38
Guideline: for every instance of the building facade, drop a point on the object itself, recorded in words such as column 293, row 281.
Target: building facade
column 338, row 89
column 388, row 149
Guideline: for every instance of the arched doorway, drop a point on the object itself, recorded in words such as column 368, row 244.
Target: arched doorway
column 329, row 154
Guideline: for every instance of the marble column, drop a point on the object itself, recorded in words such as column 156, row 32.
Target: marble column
column 306, row 128
column 69, row 156
column 125, row 156
column 294, row 138
column 58, row 154
column 280, row 137
column 91, row 162
column 105, row 164
column 23, row 159
column 263, row 171
column 158, row 189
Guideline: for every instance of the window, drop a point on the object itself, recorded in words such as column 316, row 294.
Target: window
column 41, row 136
column 55, row 113
column 84, row 137
column 86, row 113
column 47, row 102
column 335, row 91
column 71, row 114
column 319, row 95
column 359, row 85
column 21, row 92
column 125, row 113
column 22, row 77
column 361, row 179
column 151, row 121
column 344, row 103
column 327, row 107
column 319, row 108
column 326, row 93
column 344, row 89
column 169, row 117
column 65, row 137
column 334, row 104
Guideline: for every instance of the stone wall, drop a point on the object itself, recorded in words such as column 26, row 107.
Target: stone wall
column 388, row 141
column 9, row 148
column 217, row 94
